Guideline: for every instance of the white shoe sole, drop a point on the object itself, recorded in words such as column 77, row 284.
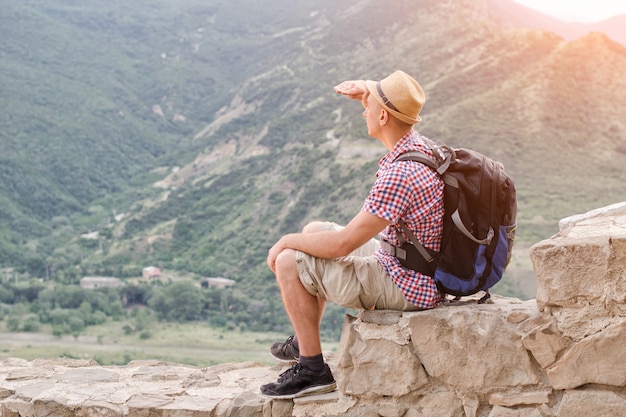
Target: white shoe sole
column 318, row 389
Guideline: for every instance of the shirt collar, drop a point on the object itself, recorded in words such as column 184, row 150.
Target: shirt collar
column 405, row 144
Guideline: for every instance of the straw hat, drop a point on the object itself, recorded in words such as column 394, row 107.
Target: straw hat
column 400, row 95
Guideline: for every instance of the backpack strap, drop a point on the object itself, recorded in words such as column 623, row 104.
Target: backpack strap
column 439, row 164
column 418, row 156
column 418, row 245
column 456, row 218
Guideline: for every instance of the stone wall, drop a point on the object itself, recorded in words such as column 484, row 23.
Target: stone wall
column 562, row 355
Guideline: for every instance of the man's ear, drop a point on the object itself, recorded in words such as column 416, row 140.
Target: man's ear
column 384, row 117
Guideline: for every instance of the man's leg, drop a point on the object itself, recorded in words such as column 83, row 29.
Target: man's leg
column 310, row 375
column 288, row 350
column 312, row 228
column 304, row 310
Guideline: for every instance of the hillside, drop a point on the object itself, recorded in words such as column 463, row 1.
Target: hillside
column 191, row 136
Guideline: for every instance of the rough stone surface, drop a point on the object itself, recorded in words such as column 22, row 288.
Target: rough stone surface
column 454, row 342
column 362, row 370
column 561, row 355
column 592, row 402
column 543, row 340
column 598, row 359
column 581, row 278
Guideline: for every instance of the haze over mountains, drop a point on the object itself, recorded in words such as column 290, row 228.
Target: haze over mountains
column 517, row 14
column 191, row 134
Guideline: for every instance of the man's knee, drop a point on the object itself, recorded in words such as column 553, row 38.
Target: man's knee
column 286, row 265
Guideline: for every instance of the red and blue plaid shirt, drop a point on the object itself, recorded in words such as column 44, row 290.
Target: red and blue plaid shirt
column 413, row 192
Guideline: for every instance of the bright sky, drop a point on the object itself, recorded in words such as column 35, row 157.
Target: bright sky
column 585, row 11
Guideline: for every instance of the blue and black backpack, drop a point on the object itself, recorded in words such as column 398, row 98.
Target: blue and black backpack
column 480, row 209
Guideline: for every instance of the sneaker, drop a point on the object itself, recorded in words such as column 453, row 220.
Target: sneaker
column 285, row 351
column 299, row 381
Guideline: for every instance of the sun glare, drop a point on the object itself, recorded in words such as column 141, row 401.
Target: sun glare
column 584, row 11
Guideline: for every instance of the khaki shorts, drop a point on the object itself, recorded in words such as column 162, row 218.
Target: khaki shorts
column 354, row 281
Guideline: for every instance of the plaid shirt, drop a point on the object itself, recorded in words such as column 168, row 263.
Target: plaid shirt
column 413, row 192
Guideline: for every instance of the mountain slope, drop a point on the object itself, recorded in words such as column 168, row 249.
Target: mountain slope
column 519, row 96
column 97, row 95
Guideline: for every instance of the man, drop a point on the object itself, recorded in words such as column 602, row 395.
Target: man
column 346, row 265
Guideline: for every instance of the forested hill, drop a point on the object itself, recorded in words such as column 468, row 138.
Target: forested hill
column 190, row 134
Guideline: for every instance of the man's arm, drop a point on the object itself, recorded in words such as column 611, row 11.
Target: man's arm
column 332, row 243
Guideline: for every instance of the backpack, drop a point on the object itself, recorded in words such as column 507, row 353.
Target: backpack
column 480, row 209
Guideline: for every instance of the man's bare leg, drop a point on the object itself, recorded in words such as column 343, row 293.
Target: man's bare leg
column 312, row 228
column 311, row 375
column 304, row 310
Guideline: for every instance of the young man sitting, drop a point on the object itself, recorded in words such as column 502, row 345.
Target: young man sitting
column 347, row 265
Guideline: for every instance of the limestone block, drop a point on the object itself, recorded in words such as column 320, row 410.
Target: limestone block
column 578, row 323
column 50, row 407
column 100, row 409
column 598, row 359
column 8, row 413
column 499, row 411
column 64, row 362
column 364, row 408
column 391, row 409
column 377, row 360
column 5, row 393
column 472, row 348
column 543, row 339
column 246, row 404
column 510, row 399
column 148, row 401
column 581, row 273
column 545, row 410
column 277, row 408
column 471, row 404
column 17, row 407
column 161, row 372
column 439, row 403
column 26, row 373
column 572, row 271
column 330, row 404
column 87, row 374
column 33, row 391
column 591, row 402
column 185, row 405
column 613, row 209
column 382, row 317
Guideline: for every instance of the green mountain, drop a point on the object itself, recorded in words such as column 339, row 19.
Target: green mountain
column 191, row 134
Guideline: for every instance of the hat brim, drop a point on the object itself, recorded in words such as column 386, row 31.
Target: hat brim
column 371, row 86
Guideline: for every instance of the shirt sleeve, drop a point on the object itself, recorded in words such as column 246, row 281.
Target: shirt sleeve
column 390, row 195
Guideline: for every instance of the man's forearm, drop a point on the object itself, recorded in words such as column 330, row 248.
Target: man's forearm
column 325, row 244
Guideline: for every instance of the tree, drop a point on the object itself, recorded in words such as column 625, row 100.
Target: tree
column 181, row 301
column 76, row 325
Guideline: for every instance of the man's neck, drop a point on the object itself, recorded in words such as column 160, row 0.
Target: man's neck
column 392, row 136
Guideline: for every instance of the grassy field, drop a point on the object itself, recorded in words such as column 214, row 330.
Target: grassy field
column 190, row 343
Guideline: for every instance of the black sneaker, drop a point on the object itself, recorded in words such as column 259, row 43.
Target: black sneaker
column 299, row 381
column 285, row 351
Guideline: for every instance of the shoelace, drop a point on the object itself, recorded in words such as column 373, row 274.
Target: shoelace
column 289, row 374
column 287, row 347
